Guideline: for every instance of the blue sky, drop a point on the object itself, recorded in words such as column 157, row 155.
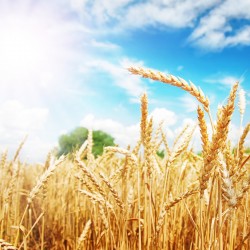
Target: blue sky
column 63, row 64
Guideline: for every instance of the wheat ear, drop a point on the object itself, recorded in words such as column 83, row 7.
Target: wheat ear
column 148, row 147
column 130, row 155
column 87, row 171
column 181, row 146
column 44, row 178
column 219, row 137
column 203, row 130
column 113, row 191
column 144, row 116
column 83, row 235
column 228, row 192
column 20, row 148
column 241, row 143
column 90, row 156
column 165, row 141
column 172, row 80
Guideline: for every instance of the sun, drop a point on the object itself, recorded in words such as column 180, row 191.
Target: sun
column 23, row 48
column 32, row 46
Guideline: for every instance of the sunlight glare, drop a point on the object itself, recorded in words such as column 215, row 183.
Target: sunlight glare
column 31, row 53
column 22, row 49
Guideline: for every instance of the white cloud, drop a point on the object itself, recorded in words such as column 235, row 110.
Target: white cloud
column 216, row 31
column 164, row 115
column 168, row 13
column 189, row 103
column 227, row 81
column 124, row 135
column 104, row 45
column 101, row 11
column 36, row 149
column 137, row 14
column 212, row 20
column 180, row 68
column 15, row 116
column 133, row 85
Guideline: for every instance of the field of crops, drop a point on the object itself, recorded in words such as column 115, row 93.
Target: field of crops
column 131, row 198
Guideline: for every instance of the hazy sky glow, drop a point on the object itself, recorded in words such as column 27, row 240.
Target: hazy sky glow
column 62, row 65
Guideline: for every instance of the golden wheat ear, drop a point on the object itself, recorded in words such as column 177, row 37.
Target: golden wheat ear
column 144, row 116
column 241, row 143
column 84, row 234
column 219, row 138
column 203, row 131
column 174, row 81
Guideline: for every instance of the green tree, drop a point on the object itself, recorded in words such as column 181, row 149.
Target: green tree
column 161, row 153
column 69, row 143
column 101, row 140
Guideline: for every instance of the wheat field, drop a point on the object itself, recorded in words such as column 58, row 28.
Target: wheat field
column 131, row 198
